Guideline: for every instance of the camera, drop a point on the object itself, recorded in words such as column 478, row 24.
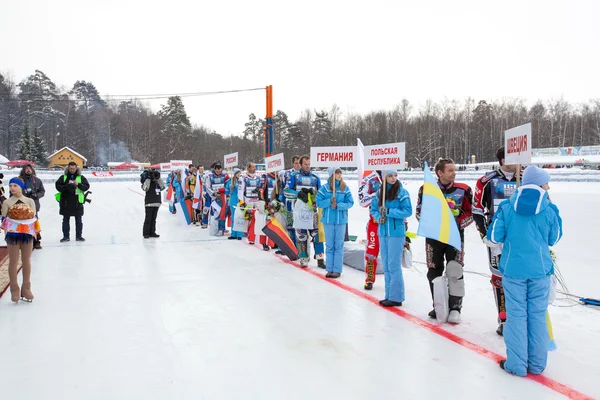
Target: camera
column 85, row 197
column 155, row 174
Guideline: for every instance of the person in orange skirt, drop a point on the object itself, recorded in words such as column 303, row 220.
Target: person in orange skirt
column 21, row 227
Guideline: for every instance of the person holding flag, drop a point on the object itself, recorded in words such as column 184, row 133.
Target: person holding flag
column 190, row 188
column 455, row 199
column 198, row 197
column 290, row 199
column 390, row 208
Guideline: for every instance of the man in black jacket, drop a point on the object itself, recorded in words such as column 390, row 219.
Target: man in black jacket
column 152, row 184
column 34, row 189
column 71, row 195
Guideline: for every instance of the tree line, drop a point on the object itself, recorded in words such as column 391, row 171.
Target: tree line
column 37, row 118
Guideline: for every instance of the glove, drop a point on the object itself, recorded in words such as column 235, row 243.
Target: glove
column 382, row 220
column 303, row 196
column 489, row 243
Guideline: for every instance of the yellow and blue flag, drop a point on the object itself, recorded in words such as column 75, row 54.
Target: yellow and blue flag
column 436, row 221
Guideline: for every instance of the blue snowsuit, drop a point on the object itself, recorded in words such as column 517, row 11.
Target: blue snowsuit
column 334, row 221
column 392, row 236
column 527, row 224
column 232, row 203
column 176, row 189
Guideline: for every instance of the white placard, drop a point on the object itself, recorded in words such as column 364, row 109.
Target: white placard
column 344, row 156
column 180, row 164
column 385, row 156
column 165, row 166
column 517, row 145
column 274, row 163
column 230, row 160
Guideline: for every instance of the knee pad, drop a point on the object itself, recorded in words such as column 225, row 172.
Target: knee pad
column 456, row 283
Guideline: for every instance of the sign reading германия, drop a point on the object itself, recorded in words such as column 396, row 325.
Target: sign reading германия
column 344, row 156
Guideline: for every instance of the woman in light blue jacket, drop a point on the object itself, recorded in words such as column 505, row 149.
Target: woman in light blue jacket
column 527, row 224
column 390, row 215
column 335, row 199
column 231, row 190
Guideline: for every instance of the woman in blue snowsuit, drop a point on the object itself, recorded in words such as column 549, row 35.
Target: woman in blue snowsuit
column 335, row 204
column 527, row 224
column 231, row 190
column 392, row 234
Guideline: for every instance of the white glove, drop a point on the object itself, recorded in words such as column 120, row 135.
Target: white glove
column 489, row 243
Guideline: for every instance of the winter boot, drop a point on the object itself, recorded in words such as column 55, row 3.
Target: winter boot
column 321, row 264
column 65, row 239
column 26, row 294
column 432, row 314
column 80, row 239
column 335, row 275
column 154, row 235
column 390, row 303
column 369, row 286
column 500, row 330
column 454, row 317
column 266, row 247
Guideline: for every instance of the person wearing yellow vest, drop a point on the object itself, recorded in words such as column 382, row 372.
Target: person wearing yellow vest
column 71, row 195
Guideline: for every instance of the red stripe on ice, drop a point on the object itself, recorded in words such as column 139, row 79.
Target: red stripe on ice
column 550, row 383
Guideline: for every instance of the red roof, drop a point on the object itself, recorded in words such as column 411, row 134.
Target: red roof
column 19, row 163
column 126, row 165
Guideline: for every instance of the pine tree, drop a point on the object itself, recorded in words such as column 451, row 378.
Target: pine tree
column 177, row 126
column 25, row 144
column 38, row 149
column 322, row 128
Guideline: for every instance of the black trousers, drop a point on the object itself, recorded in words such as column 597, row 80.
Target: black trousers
column 150, row 221
column 438, row 254
column 66, row 226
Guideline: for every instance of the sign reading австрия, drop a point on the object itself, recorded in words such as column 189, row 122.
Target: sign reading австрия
column 385, row 156
column 517, row 145
column 274, row 163
column 333, row 156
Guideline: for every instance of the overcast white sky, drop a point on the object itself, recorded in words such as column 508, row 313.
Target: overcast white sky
column 361, row 55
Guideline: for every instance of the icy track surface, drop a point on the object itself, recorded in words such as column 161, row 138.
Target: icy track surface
column 192, row 316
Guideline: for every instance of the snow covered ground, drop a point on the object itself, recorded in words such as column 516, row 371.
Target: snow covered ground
column 187, row 314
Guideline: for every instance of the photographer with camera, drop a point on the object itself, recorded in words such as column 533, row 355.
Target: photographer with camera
column 152, row 184
column 71, row 195
column 34, row 189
